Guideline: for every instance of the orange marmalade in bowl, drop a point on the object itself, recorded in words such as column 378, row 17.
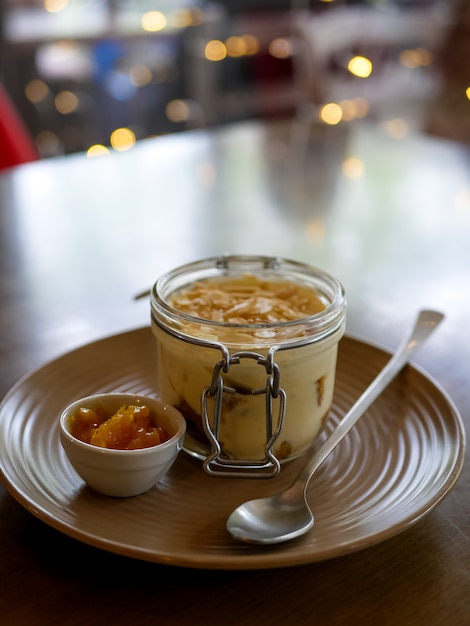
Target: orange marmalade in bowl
column 129, row 428
column 247, row 353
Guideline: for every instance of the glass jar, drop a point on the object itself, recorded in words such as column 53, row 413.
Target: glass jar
column 253, row 394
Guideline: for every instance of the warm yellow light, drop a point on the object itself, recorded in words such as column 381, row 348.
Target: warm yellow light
column 467, row 92
column 181, row 18
column 66, row 102
column 97, row 150
column 153, row 21
column 122, row 139
column 331, row 113
column 215, row 50
column 236, row 46
column 140, row 75
column 425, row 56
column 349, row 109
column 184, row 18
column 197, row 16
column 409, row 58
column 355, row 108
column 352, row 168
column 316, row 231
column 177, row 111
column 48, row 143
column 280, row 48
column 362, row 107
column 360, row 67
column 251, row 43
column 36, row 90
column 417, row 57
column 54, row 6
column 396, row 128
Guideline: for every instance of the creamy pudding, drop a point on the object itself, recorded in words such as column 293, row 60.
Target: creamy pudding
column 249, row 312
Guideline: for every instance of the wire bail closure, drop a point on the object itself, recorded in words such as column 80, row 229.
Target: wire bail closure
column 217, row 463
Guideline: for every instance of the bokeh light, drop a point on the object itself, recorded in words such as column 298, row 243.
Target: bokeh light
column 362, row 107
column 215, row 50
column 66, row 102
column 252, row 44
column 55, row 6
column 417, row 57
column 48, row 143
column 316, row 231
column 331, row 113
column 360, row 66
column 177, row 111
column 97, row 150
column 36, row 90
column 280, row 48
column 352, row 167
column 181, row 18
column 153, row 21
column 396, row 127
column 122, row 139
column 140, row 75
column 236, row 46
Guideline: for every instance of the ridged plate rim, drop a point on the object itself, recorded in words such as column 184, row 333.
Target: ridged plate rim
column 394, row 467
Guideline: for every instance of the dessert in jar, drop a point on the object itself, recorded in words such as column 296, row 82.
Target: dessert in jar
column 247, row 349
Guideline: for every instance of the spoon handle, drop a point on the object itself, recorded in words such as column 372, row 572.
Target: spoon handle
column 425, row 324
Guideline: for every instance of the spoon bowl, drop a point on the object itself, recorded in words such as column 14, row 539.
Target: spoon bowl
column 266, row 516
column 287, row 515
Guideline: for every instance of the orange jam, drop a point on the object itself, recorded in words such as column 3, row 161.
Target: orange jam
column 130, row 428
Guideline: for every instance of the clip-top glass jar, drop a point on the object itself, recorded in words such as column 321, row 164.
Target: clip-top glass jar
column 247, row 349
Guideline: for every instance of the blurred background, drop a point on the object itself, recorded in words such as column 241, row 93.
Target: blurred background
column 99, row 75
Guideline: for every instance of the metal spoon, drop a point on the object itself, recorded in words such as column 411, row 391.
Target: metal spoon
column 287, row 515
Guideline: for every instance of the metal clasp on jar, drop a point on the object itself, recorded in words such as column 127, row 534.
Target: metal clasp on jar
column 219, row 464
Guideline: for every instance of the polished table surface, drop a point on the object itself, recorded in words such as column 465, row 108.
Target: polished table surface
column 388, row 215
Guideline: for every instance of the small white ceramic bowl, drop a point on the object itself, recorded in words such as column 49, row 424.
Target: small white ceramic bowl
column 122, row 473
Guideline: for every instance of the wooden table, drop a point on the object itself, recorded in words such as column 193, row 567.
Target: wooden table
column 80, row 237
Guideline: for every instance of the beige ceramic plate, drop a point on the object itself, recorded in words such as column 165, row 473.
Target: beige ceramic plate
column 397, row 464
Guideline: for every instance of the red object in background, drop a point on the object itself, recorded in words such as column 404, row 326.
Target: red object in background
column 16, row 145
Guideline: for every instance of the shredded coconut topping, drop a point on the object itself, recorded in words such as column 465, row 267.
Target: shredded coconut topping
column 248, row 300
